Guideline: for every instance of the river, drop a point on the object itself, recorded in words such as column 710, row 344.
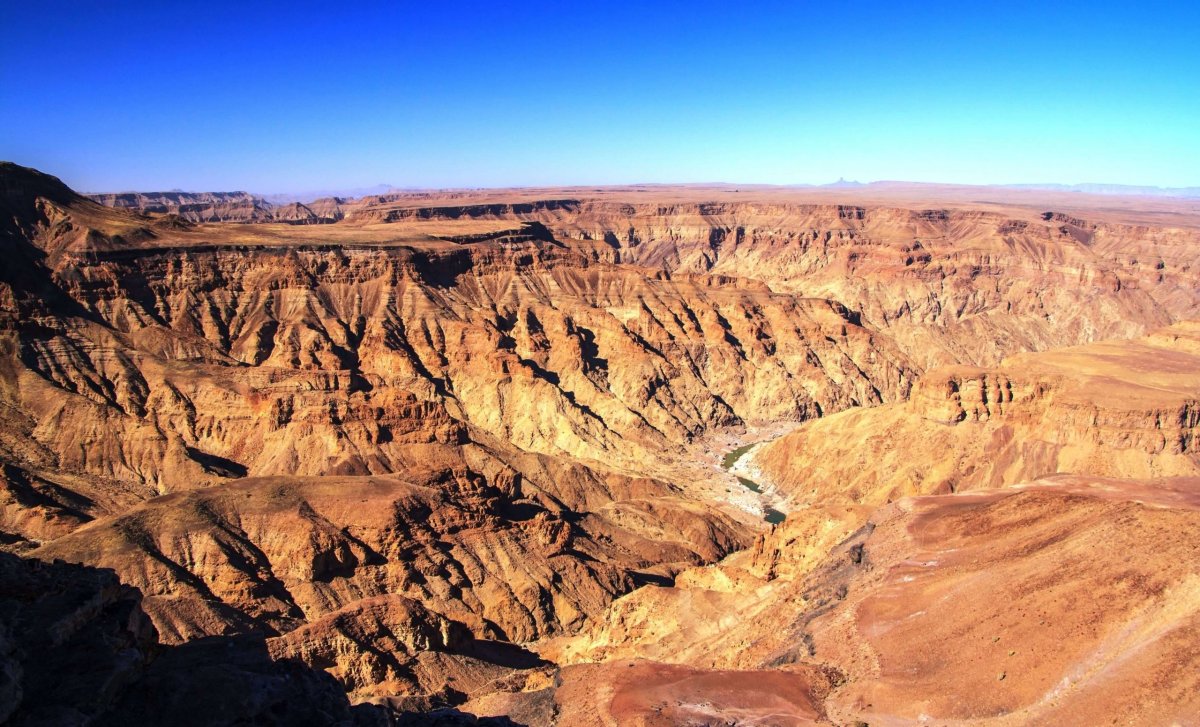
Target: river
column 730, row 460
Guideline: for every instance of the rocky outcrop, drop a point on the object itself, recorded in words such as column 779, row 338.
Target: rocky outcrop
column 398, row 630
column 393, row 455
column 272, row 554
column 948, row 285
column 999, row 607
column 1117, row 409
column 76, row 648
column 222, row 207
column 66, row 625
column 1022, row 611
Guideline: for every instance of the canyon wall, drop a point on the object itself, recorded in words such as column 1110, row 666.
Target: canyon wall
column 459, row 451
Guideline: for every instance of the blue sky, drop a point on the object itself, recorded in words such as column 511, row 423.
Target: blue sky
column 287, row 97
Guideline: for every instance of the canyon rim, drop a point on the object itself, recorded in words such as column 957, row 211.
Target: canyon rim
column 556, row 432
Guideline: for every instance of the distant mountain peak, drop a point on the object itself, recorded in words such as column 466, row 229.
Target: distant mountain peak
column 842, row 182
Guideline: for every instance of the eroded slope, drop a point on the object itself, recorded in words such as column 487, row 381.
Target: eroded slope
column 389, row 446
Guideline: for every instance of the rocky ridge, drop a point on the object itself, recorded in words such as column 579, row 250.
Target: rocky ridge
column 446, row 450
column 1117, row 408
column 949, row 285
column 1009, row 582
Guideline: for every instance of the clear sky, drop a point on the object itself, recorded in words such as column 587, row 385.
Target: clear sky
column 289, row 97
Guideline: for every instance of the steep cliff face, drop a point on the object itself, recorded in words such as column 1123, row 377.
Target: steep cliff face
column 1118, row 409
column 76, row 648
column 997, row 599
column 949, row 285
column 515, row 341
column 239, row 207
column 270, row 554
column 145, row 357
column 385, row 450
column 468, row 425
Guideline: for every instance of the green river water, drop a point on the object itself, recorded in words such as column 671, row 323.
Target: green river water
column 772, row 515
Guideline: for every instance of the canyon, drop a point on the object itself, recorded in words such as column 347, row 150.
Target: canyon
column 455, row 457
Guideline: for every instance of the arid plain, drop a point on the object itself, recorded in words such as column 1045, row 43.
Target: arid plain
column 649, row 455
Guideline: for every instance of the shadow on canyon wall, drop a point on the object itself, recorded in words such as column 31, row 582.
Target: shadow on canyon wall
column 77, row 648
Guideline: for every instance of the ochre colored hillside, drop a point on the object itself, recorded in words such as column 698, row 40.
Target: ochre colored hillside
column 448, row 455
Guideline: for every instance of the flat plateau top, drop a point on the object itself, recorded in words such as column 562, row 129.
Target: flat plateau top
column 1118, row 209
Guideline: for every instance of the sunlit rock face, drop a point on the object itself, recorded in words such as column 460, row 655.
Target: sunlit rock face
column 461, row 451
